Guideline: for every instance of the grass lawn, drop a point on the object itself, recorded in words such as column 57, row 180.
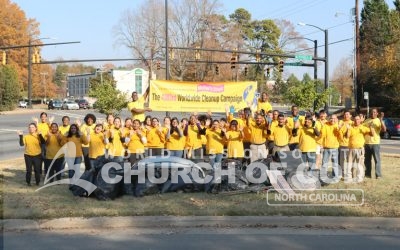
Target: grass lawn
column 19, row 201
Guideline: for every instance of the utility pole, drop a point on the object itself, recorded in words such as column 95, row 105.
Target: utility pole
column 359, row 91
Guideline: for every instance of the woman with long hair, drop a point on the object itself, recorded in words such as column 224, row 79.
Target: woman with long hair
column 136, row 142
column 175, row 139
column 54, row 161
column 155, row 138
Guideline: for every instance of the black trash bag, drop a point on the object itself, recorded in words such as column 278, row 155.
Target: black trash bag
column 80, row 191
column 147, row 188
column 110, row 190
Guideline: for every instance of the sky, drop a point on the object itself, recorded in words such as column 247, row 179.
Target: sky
column 91, row 22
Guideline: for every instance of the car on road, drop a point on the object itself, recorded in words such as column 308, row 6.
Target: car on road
column 56, row 104
column 70, row 105
column 391, row 129
column 22, row 104
column 83, row 104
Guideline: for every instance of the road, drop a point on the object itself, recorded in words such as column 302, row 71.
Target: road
column 203, row 238
column 11, row 123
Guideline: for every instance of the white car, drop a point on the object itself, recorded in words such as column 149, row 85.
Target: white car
column 22, row 104
column 70, row 105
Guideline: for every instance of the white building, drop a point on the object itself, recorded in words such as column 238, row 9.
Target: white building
column 127, row 81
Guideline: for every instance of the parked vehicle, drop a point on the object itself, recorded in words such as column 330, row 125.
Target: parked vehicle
column 391, row 129
column 57, row 104
column 83, row 104
column 22, row 104
column 70, row 105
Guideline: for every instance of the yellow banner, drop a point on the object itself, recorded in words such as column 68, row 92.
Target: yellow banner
column 201, row 96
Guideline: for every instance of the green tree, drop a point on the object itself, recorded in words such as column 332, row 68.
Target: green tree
column 9, row 90
column 306, row 93
column 109, row 98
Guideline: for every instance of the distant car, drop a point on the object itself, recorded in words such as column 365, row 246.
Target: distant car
column 22, row 104
column 70, row 105
column 391, row 129
column 56, row 104
column 83, row 104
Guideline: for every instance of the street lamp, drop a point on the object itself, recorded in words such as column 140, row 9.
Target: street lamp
column 326, row 81
column 315, row 63
column 30, row 68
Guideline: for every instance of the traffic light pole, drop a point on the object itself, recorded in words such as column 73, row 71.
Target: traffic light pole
column 30, row 74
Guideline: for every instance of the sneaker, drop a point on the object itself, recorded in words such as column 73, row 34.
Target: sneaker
column 379, row 177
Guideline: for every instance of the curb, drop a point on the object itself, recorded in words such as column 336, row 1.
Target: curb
column 312, row 222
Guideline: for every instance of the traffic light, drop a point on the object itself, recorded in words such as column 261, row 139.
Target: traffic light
column 4, row 58
column 268, row 72
column 197, row 54
column 36, row 56
column 216, row 69
column 233, row 62
column 258, row 57
column 245, row 71
column 281, row 66
column 158, row 65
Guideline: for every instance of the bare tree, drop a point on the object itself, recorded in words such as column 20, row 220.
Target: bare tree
column 342, row 78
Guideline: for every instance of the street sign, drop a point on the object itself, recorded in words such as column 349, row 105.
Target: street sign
column 303, row 57
column 293, row 64
column 366, row 96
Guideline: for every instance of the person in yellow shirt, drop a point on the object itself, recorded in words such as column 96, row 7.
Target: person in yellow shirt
column 343, row 140
column 116, row 139
column 136, row 106
column 74, row 140
column 43, row 127
column 272, row 122
column 258, row 131
column 308, row 135
column 263, row 105
column 295, row 122
column 355, row 135
column 330, row 142
column 319, row 124
column 175, row 140
column 156, row 138
column 215, row 142
column 97, row 148
column 193, row 138
column 372, row 143
column 54, row 161
column 234, row 136
column 136, row 142
column 64, row 128
column 281, row 135
column 32, row 154
column 90, row 123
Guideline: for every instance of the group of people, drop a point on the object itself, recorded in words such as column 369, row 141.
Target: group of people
column 249, row 136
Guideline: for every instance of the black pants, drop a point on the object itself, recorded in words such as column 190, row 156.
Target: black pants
column 36, row 162
column 53, row 169
column 86, row 159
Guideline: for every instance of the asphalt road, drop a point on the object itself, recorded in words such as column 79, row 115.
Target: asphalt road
column 203, row 238
column 11, row 123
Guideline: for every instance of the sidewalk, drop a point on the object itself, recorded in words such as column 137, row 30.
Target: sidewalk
column 297, row 222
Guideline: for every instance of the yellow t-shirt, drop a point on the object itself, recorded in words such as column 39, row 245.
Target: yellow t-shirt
column 116, row 147
column 266, row 106
column 78, row 141
column 175, row 142
column 235, row 144
column 32, row 144
column 96, row 145
column 52, row 147
column 291, row 123
column 343, row 140
column 307, row 140
column 356, row 136
column 135, row 144
column 274, row 124
column 155, row 138
column 43, row 127
column 377, row 126
column 281, row 135
column 193, row 138
column 64, row 130
column 83, row 131
column 257, row 132
column 330, row 136
column 139, row 104
column 215, row 142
